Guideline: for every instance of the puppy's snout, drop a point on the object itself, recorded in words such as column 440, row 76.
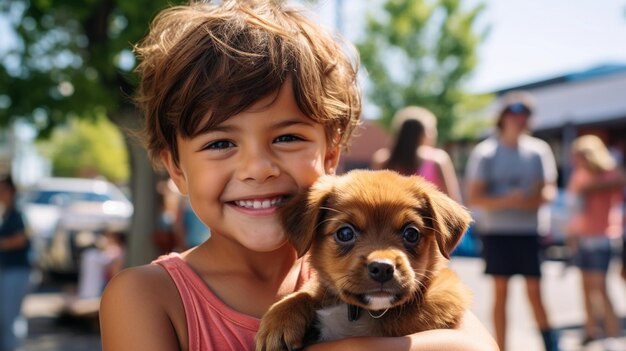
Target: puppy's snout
column 380, row 271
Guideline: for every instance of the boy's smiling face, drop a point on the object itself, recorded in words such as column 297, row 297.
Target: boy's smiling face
column 239, row 173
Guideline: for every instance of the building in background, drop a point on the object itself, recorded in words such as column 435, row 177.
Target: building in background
column 586, row 102
column 366, row 139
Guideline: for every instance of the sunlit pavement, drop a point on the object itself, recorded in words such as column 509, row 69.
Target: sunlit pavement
column 50, row 330
column 562, row 296
column 561, row 292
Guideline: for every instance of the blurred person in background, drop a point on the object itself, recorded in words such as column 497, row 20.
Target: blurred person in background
column 413, row 152
column 509, row 176
column 100, row 263
column 596, row 193
column 165, row 236
column 189, row 227
column 14, row 264
column 623, row 270
column 178, row 228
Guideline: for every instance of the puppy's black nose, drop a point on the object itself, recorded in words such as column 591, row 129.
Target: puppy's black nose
column 380, row 271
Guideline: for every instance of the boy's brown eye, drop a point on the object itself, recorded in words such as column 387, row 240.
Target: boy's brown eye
column 287, row 138
column 220, row 144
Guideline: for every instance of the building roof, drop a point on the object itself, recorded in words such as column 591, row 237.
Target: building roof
column 588, row 97
column 594, row 72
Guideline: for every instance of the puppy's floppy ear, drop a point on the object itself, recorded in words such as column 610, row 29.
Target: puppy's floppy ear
column 449, row 219
column 302, row 214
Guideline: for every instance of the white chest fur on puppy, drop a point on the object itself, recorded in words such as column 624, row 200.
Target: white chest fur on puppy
column 379, row 244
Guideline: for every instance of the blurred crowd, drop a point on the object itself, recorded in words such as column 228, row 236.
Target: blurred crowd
column 509, row 179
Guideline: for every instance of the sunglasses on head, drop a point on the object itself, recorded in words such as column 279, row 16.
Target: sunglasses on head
column 518, row 108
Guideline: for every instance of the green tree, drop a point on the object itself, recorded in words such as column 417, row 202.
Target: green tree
column 420, row 53
column 96, row 148
column 73, row 59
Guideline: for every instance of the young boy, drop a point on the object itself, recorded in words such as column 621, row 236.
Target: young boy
column 246, row 104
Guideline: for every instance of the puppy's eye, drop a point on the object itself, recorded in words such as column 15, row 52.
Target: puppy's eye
column 411, row 234
column 345, row 234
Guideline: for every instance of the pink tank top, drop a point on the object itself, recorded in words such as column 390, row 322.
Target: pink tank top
column 211, row 324
column 429, row 170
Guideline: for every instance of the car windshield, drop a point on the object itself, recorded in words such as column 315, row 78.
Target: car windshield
column 48, row 197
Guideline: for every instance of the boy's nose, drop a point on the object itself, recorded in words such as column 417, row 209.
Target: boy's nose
column 258, row 164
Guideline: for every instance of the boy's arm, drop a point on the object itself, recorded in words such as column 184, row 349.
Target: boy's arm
column 470, row 335
column 133, row 315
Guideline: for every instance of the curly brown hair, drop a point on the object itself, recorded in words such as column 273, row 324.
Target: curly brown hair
column 201, row 64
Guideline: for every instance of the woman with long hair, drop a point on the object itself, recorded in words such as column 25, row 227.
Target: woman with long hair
column 414, row 153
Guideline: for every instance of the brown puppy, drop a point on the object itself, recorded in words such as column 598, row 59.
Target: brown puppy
column 379, row 243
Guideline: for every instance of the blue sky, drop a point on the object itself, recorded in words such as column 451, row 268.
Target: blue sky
column 530, row 40
column 536, row 39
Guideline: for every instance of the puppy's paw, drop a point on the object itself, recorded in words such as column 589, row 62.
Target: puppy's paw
column 284, row 326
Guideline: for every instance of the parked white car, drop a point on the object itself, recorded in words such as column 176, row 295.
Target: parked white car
column 65, row 215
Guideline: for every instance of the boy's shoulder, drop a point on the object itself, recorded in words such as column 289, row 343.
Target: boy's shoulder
column 142, row 296
column 148, row 284
column 144, row 274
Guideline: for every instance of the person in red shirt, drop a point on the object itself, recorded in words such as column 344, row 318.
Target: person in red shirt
column 595, row 193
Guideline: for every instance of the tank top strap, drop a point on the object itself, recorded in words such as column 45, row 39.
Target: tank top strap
column 211, row 324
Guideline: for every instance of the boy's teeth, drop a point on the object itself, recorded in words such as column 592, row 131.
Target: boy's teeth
column 257, row 204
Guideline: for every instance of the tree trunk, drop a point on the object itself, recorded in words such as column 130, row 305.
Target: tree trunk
column 142, row 183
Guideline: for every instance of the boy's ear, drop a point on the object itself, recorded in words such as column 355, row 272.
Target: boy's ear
column 450, row 220
column 303, row 213
column 331, row 159
column 174, row 171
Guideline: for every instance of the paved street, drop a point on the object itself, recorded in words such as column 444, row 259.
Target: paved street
column 50, row 330
column 562, row 296
column 561, row 291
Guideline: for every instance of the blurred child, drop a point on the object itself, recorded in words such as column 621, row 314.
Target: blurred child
column 100, row 263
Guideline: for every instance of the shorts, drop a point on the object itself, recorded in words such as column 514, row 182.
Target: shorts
column 593, row 253
column 508, row 255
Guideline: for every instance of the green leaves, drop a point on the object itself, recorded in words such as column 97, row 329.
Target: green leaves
column 420, row 53
column 87, row 148
column 71, row 58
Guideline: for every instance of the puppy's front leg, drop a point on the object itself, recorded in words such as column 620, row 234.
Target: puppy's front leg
column 284, row 325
